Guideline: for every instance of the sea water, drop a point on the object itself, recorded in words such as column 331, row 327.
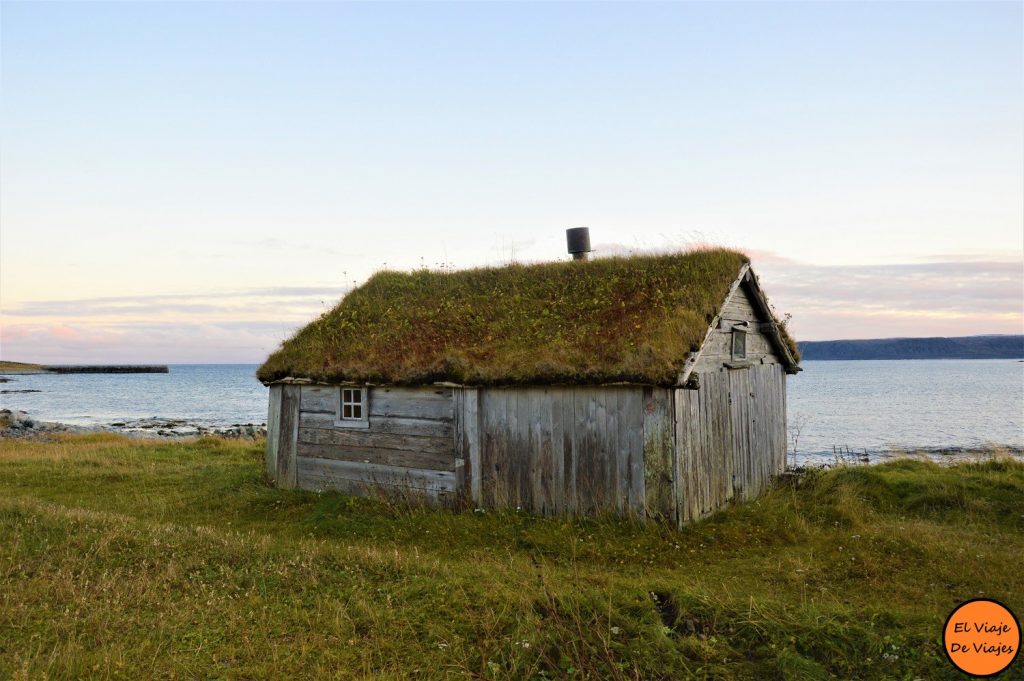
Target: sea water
column 844, row 406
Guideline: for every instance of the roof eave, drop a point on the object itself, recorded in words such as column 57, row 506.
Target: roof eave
column 746, row 275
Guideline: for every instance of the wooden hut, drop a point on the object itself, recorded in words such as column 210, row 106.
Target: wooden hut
column 648, row 385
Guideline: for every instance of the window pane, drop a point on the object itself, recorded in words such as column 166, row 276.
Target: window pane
column 739, row 344
column 357, row 411
column 346, row 411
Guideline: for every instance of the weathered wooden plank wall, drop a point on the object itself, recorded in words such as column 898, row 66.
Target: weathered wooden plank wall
column 718, row 347
column 656, row 452
column 409, row 446
column 659, row 454
column 730, row 436
column 287, row 431
column 558, row 450
column 273, row 431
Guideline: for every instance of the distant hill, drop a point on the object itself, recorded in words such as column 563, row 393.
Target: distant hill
column 964, row 347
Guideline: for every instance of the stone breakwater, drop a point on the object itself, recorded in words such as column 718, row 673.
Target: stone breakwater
column 20, row 424
column 106, row 369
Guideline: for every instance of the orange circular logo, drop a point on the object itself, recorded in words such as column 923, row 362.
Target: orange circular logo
column 981, row 637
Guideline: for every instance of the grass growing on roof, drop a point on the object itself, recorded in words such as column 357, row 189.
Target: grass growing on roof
column 128, row 559
column 611, row 319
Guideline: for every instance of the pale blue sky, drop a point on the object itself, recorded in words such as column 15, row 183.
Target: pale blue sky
column 233, row 157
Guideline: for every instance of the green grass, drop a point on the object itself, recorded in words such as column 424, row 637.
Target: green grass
column 19, row 367
column 612, row 319
column 129, row 559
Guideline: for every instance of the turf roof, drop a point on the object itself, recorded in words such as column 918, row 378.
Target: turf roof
column 629, row 319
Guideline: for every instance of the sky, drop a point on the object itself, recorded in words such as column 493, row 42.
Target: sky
column 191, row 182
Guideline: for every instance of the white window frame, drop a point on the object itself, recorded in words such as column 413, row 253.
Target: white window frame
column 360, row 403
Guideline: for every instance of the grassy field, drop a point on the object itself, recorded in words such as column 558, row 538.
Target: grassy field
column 128, row 559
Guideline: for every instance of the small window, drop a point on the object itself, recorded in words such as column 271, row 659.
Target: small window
column 352, row 412
column 739, row 343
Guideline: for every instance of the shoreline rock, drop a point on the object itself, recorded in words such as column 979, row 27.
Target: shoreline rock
column 19, row 424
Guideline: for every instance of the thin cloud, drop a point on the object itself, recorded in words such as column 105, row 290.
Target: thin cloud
column 944, row 298
column 947, row 298
column 257, row 301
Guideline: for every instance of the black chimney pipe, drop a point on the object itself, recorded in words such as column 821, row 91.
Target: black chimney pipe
column 578, row 241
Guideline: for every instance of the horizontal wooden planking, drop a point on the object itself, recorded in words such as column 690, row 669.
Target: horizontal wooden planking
column 423, row 403
column 739, row 307
column 318, row 473
column 319, row 399
column 388, row 457
column 357, row 488
column 363, row 438
column 384, row 424
column 418, row 403
column 718, row 349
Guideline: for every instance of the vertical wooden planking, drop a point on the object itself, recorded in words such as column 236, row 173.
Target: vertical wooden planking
column 506, row 474
column 756, row 445
column 488, row 451
column 613, row 451
column 685, row 451
column 735, row 453
column 534, row 456
column 726, row 462
column 659, row 473
column 633, row 432
column 757, row 440
column 716, row 449
column 459, row 437
column 273, row 431
column 781, row 377
column 505, row 491
column 521, row 450
column 288, row 437
column 695, row 473
column 570, row 451
column 472, row 447
column 739, row 455
column 706, row 436
column 549, row 487
column 559, row 486
column 589, row 469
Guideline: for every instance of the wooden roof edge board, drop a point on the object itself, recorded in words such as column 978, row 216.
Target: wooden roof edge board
column 757, row 293
column 449, row 384
column 691, row 361
column 291, row 380
column 770, row 328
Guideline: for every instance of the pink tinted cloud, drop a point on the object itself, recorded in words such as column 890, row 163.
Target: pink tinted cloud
column 63, row 332
column 949, row 298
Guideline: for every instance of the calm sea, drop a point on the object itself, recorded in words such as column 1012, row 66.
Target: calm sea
column 204, row 394
column 863, row 405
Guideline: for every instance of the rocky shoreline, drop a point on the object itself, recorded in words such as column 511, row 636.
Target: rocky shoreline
column 18, row 424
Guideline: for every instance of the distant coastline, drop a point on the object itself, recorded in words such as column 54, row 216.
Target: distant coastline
column 27, row 368
column 962, row 347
